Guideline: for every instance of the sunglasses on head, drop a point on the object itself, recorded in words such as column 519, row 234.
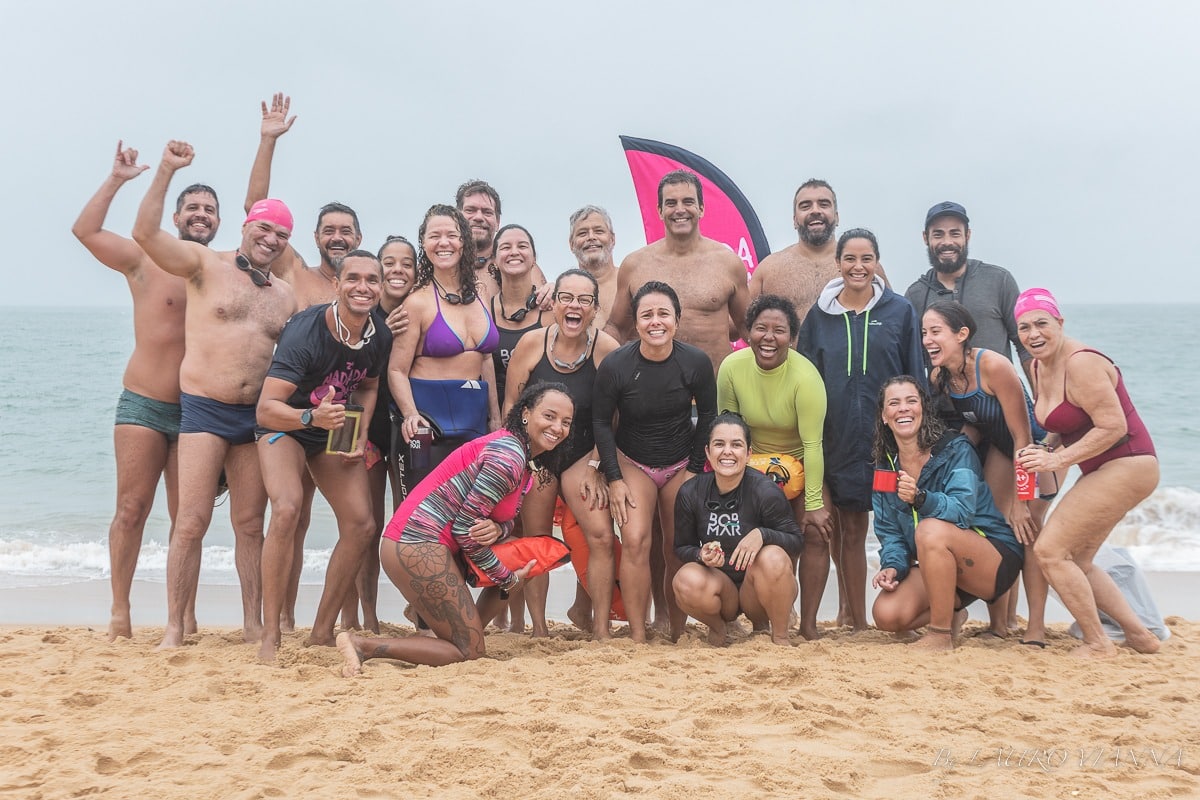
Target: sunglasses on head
column 259, row 277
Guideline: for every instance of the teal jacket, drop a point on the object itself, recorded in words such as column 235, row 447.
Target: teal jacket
column 955, row 492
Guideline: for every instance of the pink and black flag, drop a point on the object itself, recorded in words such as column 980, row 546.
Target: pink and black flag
column 728, row 216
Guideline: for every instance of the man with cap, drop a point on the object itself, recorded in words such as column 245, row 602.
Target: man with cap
column 987, row 291
column 234, row 315
column 147, row 416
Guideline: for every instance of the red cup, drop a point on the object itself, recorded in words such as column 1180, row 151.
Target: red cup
column 886, row 480
column 1026, row 485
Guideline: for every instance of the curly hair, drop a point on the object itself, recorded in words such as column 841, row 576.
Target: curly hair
column 773, row 302
column 466, row 262
column 552, row 462
column 927, row 436
column 956, row 316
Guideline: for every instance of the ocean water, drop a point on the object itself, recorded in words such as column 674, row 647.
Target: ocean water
column 57, row 479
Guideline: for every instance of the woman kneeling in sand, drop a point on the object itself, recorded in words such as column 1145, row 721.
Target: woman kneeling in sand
column 465, row 505
column 736, row 536
column 942, row 542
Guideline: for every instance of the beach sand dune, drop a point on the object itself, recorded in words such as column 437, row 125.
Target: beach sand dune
column 845, row 717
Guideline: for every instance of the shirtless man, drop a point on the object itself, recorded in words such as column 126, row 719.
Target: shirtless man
column 799, row 272
column 592, row 241
column 479, row 202
column 709, row 277
column 234, row 315
column 147, row 423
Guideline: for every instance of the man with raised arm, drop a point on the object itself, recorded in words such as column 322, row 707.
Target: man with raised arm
column 592, row 241
column 147, row 420
column 709, row 277
column 234, row 315
column 337, row 231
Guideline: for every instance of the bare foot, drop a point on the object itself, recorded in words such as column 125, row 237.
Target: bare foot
column 172, row 638
column 602, row 635
column 810, row 632
column 540, row 631
column 1104, row 649
column 783, row 640
column 1142, row 641
column 371, row 623
column 287, row 623
column 350, row 622
column 718, row 635
column 266, row 651
column 579, row 617
column 661, row 625
column 410, row 614
column 190, row 626
column 120, row 626
column 320, row 640
column 936, row 641
column 348, row 647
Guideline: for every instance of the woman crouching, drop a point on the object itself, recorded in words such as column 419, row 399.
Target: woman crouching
column 465, row 505
column 736, row 536
column 942, row 543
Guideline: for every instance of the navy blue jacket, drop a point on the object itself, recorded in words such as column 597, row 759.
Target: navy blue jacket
column 855, row 353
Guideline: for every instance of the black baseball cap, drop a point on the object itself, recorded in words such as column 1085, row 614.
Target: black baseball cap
column 942, row 209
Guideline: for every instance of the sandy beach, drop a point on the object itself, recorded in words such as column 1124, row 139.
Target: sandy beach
column 860, row 716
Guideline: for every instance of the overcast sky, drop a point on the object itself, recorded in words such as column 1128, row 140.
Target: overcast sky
column 1066, row 129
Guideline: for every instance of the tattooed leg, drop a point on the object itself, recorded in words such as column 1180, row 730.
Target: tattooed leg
column 429, row 578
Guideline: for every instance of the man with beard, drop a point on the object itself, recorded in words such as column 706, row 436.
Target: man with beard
column 147, row 420
column 709, row 277
column 800, row 271
column 592, row 241
column 989, row 292
column 235, row 312
column 479, row 202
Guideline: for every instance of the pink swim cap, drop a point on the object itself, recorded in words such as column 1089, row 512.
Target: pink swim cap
column 1035, row 299
column 271, row 210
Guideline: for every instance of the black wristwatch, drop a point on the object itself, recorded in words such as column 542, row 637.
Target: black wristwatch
column 919, row 500
column 306, row 417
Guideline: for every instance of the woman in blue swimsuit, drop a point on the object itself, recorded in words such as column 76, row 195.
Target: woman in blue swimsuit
column 441, row 373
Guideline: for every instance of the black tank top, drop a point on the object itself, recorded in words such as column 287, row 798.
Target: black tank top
column 579, row 385
column 508, row 343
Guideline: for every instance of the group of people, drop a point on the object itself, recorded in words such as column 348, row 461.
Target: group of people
column 495, row 403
